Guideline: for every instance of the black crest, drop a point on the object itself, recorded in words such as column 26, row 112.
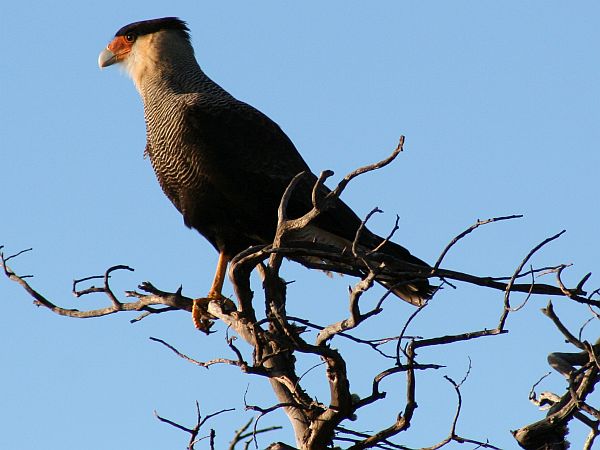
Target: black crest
column 154, row 25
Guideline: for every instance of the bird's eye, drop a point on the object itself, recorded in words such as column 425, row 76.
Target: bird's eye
column 130, row 37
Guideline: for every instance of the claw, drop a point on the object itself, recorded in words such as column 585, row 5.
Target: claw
column 200, row 316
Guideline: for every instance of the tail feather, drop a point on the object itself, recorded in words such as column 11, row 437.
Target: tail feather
column 413, row 289
column 416, row 293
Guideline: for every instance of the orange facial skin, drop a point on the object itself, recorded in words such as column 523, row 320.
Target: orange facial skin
column 120, row 47
column 116, row 51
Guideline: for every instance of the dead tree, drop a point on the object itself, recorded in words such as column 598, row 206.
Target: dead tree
column 276, row 338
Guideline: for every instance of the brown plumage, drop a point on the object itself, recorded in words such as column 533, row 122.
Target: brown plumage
column 223, row 163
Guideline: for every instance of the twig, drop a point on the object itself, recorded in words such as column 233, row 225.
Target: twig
column 373, row 343
column 452, row 436
column 532, row 394
column 105, row 289
column 195, row 430
column 404, row 328
column 360, row 230
column 511, row 282
column 385, row 444
column 239, row 363
column 585, row 324
column 549, row 312
column 240, row 434
column 369, row 168
column 177, row 301
column 522, row 305
column 356, row 318
column 469, row 230
column 8, row 258
column 387, row 238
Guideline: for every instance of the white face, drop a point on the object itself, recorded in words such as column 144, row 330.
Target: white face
column 136, row 55
column 141, row 58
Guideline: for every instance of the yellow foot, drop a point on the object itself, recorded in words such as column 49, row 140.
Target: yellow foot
column 200, row 316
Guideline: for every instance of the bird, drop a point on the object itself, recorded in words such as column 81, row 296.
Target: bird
column 224, row 164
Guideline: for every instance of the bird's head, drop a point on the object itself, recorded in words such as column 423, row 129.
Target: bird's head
column 146, row 46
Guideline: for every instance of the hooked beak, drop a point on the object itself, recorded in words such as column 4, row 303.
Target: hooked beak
column 106, row 58
column 115, row 52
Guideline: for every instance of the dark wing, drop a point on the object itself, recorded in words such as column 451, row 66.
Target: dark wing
column 252, row 161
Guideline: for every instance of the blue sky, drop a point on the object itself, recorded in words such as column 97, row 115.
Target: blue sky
column 500, row 106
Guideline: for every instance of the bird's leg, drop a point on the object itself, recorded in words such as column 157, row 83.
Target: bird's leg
column 200, row 315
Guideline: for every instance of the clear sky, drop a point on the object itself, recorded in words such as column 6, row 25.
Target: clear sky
column 500, row 105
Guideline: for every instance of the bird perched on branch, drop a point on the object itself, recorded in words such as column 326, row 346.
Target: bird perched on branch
column 224, row 164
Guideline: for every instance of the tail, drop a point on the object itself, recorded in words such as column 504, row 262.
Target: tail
column 413, row 290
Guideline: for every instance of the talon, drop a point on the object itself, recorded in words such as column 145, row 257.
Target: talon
column 200, row 315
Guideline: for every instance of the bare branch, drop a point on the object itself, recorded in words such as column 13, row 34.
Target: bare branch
column 403, row 420
column 369, row 168
column 511, row 282
column 522, row 305
column 196, row 429
column 385, row 444
column 387, row 238
column 532, row 394
column 361, row 229
column 549, row 312
column 8, row 258
column 373, row 343
column 241, row 434
column 105, row 289
column 174, row 300
column 452, row 436
column 469, row 230
column 355, row 315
